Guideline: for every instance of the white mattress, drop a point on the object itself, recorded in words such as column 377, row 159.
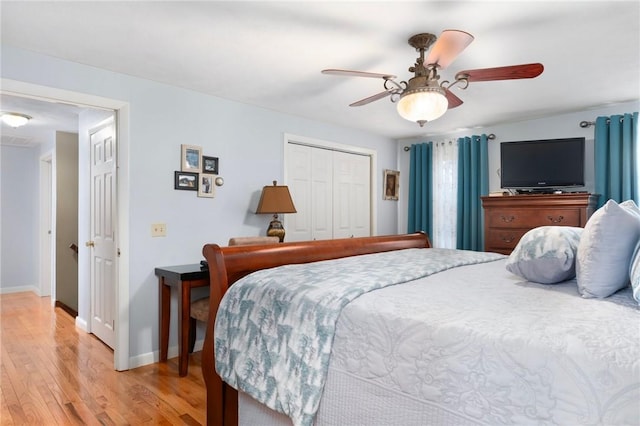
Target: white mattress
column 478, row 345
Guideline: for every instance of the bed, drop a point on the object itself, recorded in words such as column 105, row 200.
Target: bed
column 418, row 343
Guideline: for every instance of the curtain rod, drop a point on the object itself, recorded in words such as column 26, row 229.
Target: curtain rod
column 584, row 124
column 490, row 136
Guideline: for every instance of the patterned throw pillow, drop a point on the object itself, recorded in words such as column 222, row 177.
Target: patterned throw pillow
column 606, row 247
column 546, row 254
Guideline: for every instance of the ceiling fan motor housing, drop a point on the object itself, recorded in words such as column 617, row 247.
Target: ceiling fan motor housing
column 422, row 41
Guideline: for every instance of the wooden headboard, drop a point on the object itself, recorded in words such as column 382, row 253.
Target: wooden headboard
column 229, row 264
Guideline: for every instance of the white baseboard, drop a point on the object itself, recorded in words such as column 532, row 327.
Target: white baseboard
column 20, row 289
column 153, row 357
column 82, row 324
column 144, row 359
column 198, row 346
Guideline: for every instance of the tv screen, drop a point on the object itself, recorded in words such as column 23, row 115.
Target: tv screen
column 551, row 163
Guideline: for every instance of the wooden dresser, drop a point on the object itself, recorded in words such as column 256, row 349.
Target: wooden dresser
column 507, row 218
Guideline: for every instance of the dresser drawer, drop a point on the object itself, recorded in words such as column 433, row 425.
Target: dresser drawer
column 531, row 218
column 503, row 238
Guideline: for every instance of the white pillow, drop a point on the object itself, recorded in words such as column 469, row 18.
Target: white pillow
column 605, row 249
column 546, row 254
column 631, row 206
column 634, row 273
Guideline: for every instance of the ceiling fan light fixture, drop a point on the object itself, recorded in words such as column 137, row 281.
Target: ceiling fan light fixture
column 14, row 119
column 423, row 104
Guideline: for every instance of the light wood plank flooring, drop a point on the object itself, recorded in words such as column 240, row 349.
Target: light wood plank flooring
column 53, row 374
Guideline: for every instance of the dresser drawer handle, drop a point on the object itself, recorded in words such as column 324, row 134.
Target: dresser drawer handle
column 555, row 219
column 507, row 239
column 507, row 219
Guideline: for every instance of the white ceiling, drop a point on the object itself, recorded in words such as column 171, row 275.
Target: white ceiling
column 47, row 118
column 270, row 54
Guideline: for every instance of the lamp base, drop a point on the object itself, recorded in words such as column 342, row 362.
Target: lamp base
column 276, row 229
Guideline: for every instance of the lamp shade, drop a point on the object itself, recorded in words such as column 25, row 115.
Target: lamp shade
column 275, row 199
column 423, row 104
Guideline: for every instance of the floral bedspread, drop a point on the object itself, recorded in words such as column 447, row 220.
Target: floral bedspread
column 274, row 329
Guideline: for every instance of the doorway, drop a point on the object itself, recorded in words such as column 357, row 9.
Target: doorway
column 121, row 109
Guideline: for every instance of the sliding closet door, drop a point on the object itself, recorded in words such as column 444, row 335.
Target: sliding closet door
column 351, row 195
column 321, row 194
column 310, row 182
column 331, row 192
column 298, row 225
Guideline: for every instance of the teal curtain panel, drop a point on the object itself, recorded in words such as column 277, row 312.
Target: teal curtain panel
column 420, row 189
column 473, row 182
column 617, row 158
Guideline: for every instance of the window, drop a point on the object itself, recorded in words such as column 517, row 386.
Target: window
column 445, row 189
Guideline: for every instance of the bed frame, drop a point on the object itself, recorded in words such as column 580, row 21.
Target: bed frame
column 229, row 264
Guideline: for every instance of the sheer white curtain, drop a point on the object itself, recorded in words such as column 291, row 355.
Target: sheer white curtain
column 445, row 190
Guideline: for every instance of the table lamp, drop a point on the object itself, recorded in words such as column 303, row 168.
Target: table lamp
column 275, row 199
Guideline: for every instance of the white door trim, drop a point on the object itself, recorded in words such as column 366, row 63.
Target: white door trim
column 23, row 89
column 319, row 143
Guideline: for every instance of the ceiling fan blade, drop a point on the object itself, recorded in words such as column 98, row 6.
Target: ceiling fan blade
column 447, row 48
column 512, row 72
column 453, row 100
column 350, row 73
column 373, row 98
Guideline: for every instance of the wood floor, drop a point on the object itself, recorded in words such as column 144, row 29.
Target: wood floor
column 53, row 374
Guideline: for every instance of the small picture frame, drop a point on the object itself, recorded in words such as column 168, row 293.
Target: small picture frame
column 210, row 165
column 190, row 158
column 391, row 185
column 185, row 181
column 206, row 185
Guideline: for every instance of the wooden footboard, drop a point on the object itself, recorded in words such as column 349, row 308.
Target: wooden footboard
column 229, row 264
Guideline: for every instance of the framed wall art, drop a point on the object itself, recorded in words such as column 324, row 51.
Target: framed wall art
column 186, row 181
column 206, row 185
column 210, row 165
column 190, row 158
column 391, row 183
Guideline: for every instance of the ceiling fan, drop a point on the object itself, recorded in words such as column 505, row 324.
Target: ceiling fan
column 424, row 98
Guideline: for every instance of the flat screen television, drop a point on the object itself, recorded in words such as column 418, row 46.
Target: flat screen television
column 542, row 164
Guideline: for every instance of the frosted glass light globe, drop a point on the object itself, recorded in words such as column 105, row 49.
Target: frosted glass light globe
column 422, row 105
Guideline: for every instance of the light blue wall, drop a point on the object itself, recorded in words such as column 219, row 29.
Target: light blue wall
column 556, row 126
column 19, row 220
column 248, row 141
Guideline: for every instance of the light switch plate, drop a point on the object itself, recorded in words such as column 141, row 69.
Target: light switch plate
column 158, row 229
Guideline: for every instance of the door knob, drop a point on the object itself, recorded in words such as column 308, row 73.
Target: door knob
column 90, row 244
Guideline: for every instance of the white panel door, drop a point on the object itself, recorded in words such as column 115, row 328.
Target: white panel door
column 351, row 195
column 46, row 240
column 103, row 215
column 298, row 225
column 310, row 180
column 361, row 196
column 341, row 197
column 321, row 194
